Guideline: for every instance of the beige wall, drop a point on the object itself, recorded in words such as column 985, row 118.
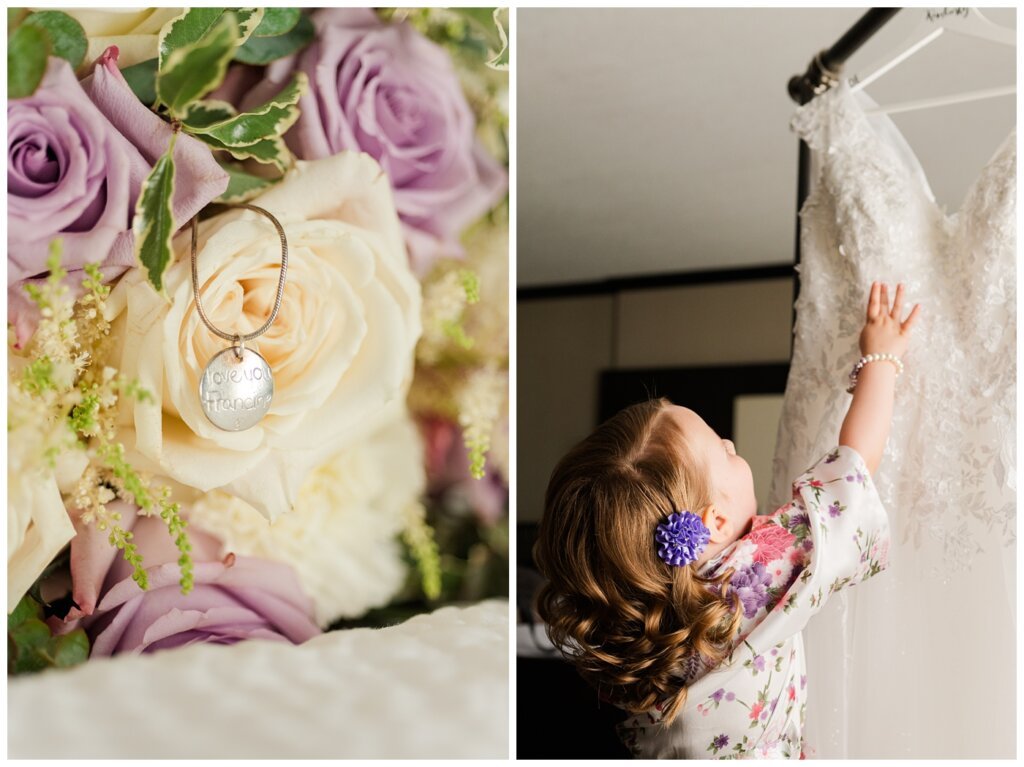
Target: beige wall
column 706, row 324
column 756, row 423
column 563, row 344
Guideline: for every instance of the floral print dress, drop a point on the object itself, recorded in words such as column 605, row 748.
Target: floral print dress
column 834, row 533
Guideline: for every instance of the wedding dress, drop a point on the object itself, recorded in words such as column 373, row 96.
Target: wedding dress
column 920, row 661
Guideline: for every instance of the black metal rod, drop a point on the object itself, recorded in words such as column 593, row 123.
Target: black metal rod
column 802, row 88
column 820, row 75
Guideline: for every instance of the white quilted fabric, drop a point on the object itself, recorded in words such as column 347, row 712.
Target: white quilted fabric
column 435, row 686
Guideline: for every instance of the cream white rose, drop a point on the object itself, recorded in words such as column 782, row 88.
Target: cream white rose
column 341, row 348
column 342, row 536
column 135, row 32
column 38, row 526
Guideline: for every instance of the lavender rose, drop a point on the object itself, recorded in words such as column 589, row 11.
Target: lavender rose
column 384, row 89
column 77, row 156
column 234, row 599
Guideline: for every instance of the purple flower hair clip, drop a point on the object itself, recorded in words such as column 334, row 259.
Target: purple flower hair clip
column 681, row 538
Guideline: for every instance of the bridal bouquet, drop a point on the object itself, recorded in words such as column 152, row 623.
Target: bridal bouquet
column 375, row 484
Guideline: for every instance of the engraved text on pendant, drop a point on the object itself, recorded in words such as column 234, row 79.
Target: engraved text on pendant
column 236, row 393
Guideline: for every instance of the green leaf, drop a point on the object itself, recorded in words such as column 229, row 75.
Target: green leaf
column 269, row 150
column 27, row 50
column 500, row 60
column 66, row 35
column 194, row 70
column 153, row 225
column 204, row 113
column 263, row 50
column 31, row 646
column 27, row 609
column 30, row 642
column 491, row 25
column 185, row 30
column 196, row 23
column 70, row 649
column 479, row 17
column 266, row 121
column 14, row 17
column 249, row 20
column 141, row 79
column 243, row 186
column 277, row 21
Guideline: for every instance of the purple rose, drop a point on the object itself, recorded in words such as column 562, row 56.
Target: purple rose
column 384, row 89
column 751, row 584
column 232, row 600
column 77, row 156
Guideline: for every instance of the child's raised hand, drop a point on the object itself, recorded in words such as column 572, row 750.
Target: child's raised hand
column 884, row 331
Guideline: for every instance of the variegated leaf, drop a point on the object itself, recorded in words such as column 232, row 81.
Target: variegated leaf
column 269, row 150
column 153, row 225
column 269, row 120
column 195, row 23
column 194, row 70
column 243, row 186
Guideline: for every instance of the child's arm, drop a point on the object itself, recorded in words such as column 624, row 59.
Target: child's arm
column 866, row 427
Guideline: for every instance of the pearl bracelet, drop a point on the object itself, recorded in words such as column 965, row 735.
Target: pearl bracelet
column 872, row 358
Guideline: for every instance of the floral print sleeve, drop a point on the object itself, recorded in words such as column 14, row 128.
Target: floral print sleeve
column 832, row 534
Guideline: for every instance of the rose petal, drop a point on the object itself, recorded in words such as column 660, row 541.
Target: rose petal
column 100, row 127
column 150, row 535
column 223, row 635
column 114, row 624
column 91, row 558
column 384, row 89
column 197, row 177
column 38, row 528
column 98, row 155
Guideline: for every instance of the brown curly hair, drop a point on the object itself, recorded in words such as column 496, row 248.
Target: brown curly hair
column 634, row 627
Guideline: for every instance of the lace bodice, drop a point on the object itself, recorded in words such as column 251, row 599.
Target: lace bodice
column 948, row 469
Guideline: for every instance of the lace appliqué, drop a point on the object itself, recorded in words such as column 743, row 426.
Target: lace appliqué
column 949, row 469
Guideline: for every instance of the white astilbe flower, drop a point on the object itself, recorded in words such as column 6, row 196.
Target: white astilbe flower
column 39, row 455
column 486, row 321
column 497, row 456
column 341, row 537
column 480, row 405
column 444, row 301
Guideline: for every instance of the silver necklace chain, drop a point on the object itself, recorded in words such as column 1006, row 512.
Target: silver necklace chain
column 237, row 339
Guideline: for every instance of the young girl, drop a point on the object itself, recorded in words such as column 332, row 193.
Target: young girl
column 677, row 602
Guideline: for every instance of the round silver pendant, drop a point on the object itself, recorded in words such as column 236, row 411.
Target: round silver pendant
column 236, row 392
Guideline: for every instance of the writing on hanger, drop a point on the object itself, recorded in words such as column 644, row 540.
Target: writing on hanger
column 932, row 23
column 934, row 14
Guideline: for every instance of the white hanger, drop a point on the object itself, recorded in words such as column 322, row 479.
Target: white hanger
column 933, row 22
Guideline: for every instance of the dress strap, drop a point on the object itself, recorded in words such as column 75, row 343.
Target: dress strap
column 810, row 121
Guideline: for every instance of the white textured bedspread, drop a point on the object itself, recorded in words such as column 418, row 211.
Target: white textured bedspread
column 435, row 686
